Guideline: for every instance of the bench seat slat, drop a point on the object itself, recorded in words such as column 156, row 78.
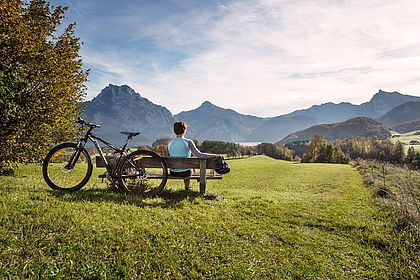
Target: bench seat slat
column 187, row 162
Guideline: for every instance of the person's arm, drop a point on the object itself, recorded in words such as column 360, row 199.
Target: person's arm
column 197, row 152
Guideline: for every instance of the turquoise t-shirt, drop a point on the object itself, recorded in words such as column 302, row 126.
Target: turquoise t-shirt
column 178, row 147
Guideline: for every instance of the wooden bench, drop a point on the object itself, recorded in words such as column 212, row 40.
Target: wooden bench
column 188, row 163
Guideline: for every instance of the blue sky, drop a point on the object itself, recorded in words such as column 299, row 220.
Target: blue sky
column 264, row 57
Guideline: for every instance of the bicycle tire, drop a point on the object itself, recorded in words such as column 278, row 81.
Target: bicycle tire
column 138, row 179
column 56, row 173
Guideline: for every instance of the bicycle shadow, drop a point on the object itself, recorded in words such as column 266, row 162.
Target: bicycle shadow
column 170, row 198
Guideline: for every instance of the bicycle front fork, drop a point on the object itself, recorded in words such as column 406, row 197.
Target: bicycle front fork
column 74, row 157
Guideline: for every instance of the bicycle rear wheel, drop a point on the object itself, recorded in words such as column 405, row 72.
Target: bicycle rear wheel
column 143, row 172
column 67, row 168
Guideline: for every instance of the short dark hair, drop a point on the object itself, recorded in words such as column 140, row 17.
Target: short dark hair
column 180, row 127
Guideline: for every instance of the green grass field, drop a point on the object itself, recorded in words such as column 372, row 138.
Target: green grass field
column 405, row 138
column 266, row 219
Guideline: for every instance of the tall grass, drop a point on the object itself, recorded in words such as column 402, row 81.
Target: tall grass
column 397, row 189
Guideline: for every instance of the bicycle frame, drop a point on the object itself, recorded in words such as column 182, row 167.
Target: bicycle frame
column 94, row 139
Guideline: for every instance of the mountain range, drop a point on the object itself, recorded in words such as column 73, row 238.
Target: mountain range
column 355, row 127
column 119, row 108
column 381, row 103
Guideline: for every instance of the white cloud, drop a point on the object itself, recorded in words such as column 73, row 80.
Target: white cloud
column 272, row 57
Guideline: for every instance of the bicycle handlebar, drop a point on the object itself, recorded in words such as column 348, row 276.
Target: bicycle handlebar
column 83, row 122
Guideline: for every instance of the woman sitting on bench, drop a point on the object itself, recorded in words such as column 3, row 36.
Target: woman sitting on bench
column 184, row 147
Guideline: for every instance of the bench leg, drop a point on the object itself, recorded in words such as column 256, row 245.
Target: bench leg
column 202, row 176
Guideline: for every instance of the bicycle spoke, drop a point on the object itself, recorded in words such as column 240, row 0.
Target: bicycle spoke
column 60, row 173
column 143, row 173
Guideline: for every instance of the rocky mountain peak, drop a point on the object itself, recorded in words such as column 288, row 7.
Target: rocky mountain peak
column 120, row 108
column 383, row 95
column 382, row 102
column 117, row 92
column 208, row 104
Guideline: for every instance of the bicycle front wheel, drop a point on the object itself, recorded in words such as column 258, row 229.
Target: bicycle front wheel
column 143, row 172
column 67, row 168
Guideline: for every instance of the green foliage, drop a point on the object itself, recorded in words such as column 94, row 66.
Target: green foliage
column 413, row 158
column 398, row 153
column 325, row 153
column 221, row 147
column 298, row 147
column 144, row 147
column 41, row 80
column 161, row 150
column 341, row 151
column 358, row 147
column 267, row 219
column 274, row 151
column 338, row 156
column 322, row 151
column 197, row 142
column 313, row 149
column 411, row 155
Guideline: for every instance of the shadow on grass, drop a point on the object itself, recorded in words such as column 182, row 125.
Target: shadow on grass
column 166, row 199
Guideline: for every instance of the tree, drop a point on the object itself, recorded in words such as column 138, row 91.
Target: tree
column 382, row 151
column 321, row 150
column 360, row 147
column 161, row 150
column 220, row 147
column 312, row 151
column 325, row 153
column 411, row 154
column 41, row 80
column 197, row 142
column 298, row 147
column 416, row 161
column 161, row 142
column 274, row 151
column 338, row 156
column 398, row 152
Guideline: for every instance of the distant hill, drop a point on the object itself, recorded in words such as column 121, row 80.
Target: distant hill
column 211, row 122
column 328, row 112
column 120, row 108
column 407, row 126
column 356, row 127
column 403, row 113
column 381, row 103
column 278, row 127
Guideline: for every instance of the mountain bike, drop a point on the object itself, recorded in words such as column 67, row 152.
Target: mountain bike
column 68, row 166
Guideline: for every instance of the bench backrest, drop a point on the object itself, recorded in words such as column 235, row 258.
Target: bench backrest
column 171, row 162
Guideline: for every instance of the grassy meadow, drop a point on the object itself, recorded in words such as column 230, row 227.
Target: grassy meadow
column 267, row 219
column 405, row 138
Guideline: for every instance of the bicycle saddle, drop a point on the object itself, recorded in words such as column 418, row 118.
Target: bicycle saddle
column 130, row 134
